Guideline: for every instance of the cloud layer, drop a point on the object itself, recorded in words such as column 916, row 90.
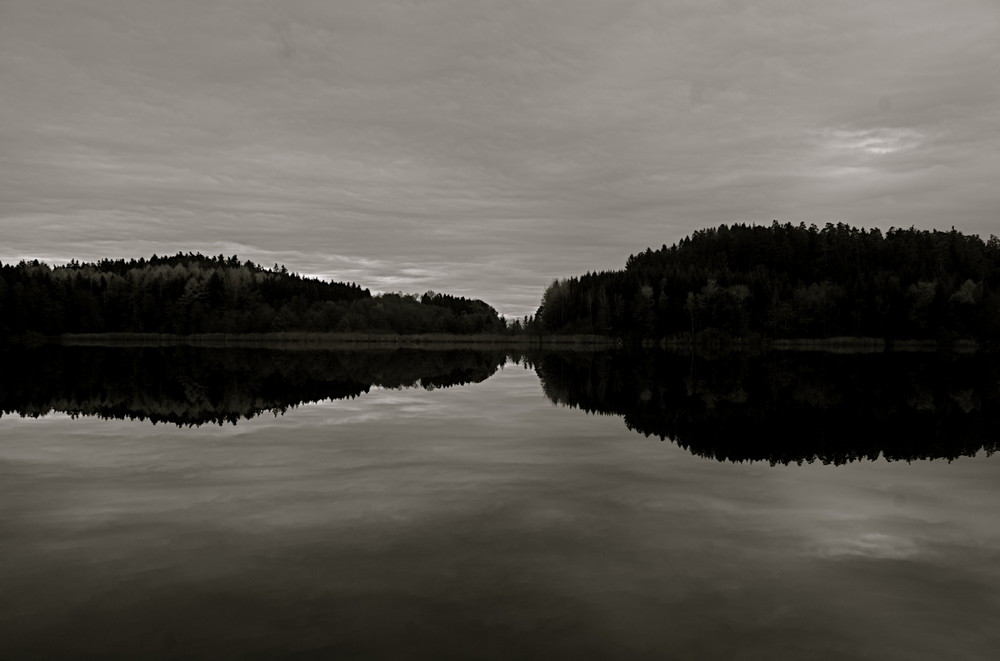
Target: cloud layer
column 484, row 148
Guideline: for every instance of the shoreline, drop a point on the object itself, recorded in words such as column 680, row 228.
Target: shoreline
column 328, row 340
column 291, row 340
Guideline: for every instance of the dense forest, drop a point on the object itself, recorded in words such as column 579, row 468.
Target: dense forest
column 786, row 281
column 192, row 293
column 194, row 386
column 793, row 407
column 739, row 281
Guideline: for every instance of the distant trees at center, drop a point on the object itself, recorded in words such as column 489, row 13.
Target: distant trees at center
column 430, row 313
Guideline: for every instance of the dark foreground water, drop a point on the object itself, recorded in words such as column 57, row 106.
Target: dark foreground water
column 482, row 521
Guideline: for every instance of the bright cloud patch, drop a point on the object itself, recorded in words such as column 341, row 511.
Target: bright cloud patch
column 878, row 546
column 876, row 142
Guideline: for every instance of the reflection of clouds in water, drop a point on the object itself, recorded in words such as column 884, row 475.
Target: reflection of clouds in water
column 376, row 459
column 379, row 403
column 503, row 520
column 874, row 545
column 411, row 402
column 51, row 417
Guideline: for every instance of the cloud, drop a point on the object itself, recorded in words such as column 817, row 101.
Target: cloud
column 537, row 139
column 871, row 142
column 878, row 546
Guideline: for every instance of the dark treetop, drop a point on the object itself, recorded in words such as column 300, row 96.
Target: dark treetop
column 787, row 281
column 192, row 293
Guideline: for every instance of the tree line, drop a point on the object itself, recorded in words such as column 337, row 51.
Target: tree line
column 194, row 293
column 788, row 281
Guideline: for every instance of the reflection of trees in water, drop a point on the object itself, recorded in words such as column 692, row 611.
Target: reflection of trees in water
column 791, row 407
column 193, row 386
column 775, row 407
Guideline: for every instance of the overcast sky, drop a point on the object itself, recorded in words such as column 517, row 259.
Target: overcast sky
column 483, row 148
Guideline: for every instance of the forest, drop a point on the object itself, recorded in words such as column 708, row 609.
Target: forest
column 788, row 281
column 739, row 281
column 192, row 293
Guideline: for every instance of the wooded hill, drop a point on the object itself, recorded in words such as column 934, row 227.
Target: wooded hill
column 192, row 293
column 786, row 281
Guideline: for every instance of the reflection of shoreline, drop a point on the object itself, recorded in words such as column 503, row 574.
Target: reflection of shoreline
column 186, row 385
column 345, row 341
column 791, row 407
column 711, row 343
column 701, row 345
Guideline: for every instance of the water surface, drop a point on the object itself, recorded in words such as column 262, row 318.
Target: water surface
column 473, row 521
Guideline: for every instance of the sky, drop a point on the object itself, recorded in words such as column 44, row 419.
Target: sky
column 484, row 148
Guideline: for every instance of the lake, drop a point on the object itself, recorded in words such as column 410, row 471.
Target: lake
column 466, row 504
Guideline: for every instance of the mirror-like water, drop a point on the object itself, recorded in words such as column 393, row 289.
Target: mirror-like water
column 482, row 521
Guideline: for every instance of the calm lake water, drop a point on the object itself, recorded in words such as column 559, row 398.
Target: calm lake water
column 485, row 521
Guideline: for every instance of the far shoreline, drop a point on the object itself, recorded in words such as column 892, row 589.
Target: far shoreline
column 591, row 342
column 328, row 340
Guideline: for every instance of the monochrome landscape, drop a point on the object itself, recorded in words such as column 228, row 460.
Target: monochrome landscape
column 499, row 330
